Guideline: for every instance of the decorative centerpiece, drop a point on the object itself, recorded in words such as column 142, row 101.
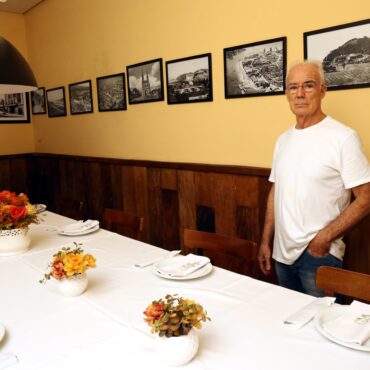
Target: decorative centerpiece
column 68, row 268
column 16, row 213
column 174, row 319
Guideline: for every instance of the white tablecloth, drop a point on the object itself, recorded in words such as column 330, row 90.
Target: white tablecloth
column 104, row 328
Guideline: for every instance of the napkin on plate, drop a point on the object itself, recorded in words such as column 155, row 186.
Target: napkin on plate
column 182, row 265
column 301, row 317
column 353, row 326
column 80, row 226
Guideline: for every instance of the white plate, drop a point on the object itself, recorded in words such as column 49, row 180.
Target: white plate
column 83, row 232
column 205, row 270
column 331, row 313
column 40, row 208
column 2, row 332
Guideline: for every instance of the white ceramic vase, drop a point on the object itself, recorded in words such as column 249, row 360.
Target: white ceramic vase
column 177, row 351
column 73, row 286
column 14, row 241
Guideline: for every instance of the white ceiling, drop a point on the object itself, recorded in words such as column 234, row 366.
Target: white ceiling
column 18, row 6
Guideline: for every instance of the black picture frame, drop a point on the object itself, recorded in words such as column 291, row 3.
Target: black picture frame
column 14, row 108
column 56, row 102
column 80, row 97
column 189, row 80
column 344, row 51
column 145, row 82
column 38, row 101
column 111, row 92
column 255, row 69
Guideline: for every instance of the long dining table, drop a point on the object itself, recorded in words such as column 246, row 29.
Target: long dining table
column 104, row 327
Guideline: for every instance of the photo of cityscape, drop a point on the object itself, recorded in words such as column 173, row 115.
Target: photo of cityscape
column 344, row 52
column 255, row 69
column 38, row 101
column 189, row 80
column 111, row 93
column 145, row 82
column 14, row 108
column 80, row 97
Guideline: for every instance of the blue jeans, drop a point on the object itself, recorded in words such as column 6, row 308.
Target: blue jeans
column 301, row 276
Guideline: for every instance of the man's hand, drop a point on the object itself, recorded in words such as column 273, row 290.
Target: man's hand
column 264, row 259
column 319, row 246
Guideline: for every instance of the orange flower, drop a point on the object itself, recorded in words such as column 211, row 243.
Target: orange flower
column 57, row 269
column 73, row 264
column 153, row 312
column 18, row 212
column 89, row 261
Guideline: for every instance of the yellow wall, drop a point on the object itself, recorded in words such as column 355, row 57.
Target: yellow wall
column 15, row 138
column 70, row 41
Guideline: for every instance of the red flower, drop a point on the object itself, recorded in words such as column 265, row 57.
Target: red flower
column 58, row 269
column 5, row 194
column 18, row 212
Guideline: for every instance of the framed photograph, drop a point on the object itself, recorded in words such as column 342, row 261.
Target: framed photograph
column 56, row 102
column 14, row 108
column 344, row 52
column 38, row 101
column 256, row 69
column 189, row 80
column 111, row 93
column 145, row 82
column 80, row 97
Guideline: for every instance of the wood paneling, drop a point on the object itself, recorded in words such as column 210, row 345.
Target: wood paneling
column 229, row 200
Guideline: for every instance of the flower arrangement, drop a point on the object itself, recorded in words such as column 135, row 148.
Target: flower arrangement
column 69, row 262
column 15, row 211
column 174, row 316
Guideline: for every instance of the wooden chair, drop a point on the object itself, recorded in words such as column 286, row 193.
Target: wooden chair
column 72, row 208
column 349, row 283
column 124, row 223
column 231, row 253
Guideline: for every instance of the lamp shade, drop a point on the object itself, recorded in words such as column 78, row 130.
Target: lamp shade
column 16, row 75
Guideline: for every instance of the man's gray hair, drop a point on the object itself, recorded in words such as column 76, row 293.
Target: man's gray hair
column 315, row 63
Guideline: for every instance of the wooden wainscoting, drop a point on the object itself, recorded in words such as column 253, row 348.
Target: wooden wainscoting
column 229, row 200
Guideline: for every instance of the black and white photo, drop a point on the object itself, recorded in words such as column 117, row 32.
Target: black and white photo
column 189, row 80
column 344, row 52
column 38, row 101
column 14, row 108
column 255, row 69
column 56, row 102
column 111, row 93
column 145, row 82
column 80, row 97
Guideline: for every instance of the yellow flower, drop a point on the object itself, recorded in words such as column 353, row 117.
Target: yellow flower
column 31, row 210
column 74, row 264
column 89, row 261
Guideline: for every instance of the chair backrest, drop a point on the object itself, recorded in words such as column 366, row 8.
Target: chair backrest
column 231, row 253
column 349, row 283
column 124, row 223
column 72, row 208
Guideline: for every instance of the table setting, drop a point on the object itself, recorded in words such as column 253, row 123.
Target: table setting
column 134, row 287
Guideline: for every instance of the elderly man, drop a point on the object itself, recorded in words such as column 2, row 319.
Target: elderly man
column 316, row 165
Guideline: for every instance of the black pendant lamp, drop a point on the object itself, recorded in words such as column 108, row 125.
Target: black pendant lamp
column 16, row 75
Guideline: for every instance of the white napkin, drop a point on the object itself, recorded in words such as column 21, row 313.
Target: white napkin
column 353, row 326
column 300, row 318
column 181, row 265
column 77, row 227
column 7, row 359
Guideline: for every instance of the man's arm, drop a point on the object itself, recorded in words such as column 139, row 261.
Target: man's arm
column 354, row 213
column 264, row 252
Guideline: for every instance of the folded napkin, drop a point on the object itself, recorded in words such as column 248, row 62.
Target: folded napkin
column 353, row 326
column 180, row 266
column 7, row 360
column 80, row 226
column 300, row 318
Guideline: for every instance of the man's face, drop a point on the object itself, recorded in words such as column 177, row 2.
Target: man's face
column 304, row 91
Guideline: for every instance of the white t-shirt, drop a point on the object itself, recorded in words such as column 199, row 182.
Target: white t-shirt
column 313, row 170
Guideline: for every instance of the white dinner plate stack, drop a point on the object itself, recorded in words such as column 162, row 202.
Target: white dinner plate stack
column 79, row 228
column 183, row 267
